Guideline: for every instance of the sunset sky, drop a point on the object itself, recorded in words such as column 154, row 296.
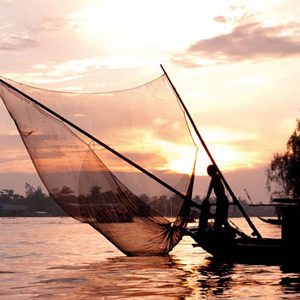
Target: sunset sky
column 235, row 64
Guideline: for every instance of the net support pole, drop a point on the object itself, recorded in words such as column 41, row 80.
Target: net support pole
column 74, row 126
column 234, row 198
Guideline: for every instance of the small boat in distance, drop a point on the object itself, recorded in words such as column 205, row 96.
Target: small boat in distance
column 274, row 221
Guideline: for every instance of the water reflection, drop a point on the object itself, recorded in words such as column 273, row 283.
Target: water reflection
column 215, row 278
column 58, row 258
column 138, row 277
column 290, row 284
column 167, row 277
column 117, row 278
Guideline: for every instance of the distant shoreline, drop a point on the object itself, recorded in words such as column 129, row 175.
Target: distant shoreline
column 32, row 216
column 67, row 216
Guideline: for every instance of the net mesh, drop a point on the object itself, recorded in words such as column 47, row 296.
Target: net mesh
column 145, row 124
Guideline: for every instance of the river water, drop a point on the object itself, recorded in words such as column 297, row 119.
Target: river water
column 60, row 258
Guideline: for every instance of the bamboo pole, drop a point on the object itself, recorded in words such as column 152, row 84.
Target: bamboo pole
column 234, row 198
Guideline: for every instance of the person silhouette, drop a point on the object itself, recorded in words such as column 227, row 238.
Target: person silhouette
column 216, row 185
column 204, row 216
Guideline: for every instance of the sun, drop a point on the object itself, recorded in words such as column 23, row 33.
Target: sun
column 227, row 158
column 182, row 160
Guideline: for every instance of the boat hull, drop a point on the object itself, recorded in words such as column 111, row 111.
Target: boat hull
column 223, row 246
column 271, row 221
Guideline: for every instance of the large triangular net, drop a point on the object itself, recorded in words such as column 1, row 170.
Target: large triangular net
column 146, row 124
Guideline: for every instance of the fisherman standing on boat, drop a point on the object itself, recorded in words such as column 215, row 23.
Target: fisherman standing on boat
column 222, row 200
column 204, row 216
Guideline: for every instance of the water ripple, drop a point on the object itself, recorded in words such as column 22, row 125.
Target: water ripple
column 59, row 258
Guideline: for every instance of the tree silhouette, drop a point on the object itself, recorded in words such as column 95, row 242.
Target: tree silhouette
column 284, row 169
column 9, row 196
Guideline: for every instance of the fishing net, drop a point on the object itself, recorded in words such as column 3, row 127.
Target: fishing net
column 140, row 207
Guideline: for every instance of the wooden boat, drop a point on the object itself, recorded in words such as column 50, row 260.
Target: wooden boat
column 227, row 246
column 236, row 246
column 272, row 221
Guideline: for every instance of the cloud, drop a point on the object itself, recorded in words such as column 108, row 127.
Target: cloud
column 53, row 24
column 13, row 154
column 12, row 41
column 251, row 41
column 48, row 73
column 50, row 25
column 16, row 43
column 220, row 19
column 15, row 38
